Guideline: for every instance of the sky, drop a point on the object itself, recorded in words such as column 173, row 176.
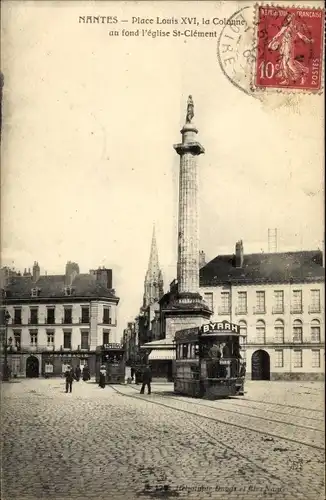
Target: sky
column 88, row 165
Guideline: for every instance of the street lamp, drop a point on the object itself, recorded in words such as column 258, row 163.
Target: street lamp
column 5, row 375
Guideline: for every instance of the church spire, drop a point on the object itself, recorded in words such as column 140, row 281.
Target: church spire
column 153, row 285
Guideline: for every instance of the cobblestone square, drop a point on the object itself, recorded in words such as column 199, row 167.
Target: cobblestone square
column 114, row 443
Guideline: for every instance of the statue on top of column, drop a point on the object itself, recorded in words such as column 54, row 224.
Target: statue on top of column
column 190, row 110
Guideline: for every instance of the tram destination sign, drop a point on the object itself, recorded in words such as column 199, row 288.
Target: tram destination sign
column 112, row 346
column 222, row 327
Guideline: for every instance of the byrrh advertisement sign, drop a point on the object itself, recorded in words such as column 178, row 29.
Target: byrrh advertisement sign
column 222, row 327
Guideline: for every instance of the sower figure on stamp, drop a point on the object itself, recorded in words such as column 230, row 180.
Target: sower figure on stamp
column 69, row 375
column 291, row 70
column 147, row 379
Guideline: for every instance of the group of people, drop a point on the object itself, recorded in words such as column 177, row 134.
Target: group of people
column 71, row 375
column 145, row 375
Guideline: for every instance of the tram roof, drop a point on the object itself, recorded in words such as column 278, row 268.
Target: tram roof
column 109, row 347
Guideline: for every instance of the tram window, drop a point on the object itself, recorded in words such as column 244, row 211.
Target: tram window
column 184, row 351
column 196, row 350
column 189, row 351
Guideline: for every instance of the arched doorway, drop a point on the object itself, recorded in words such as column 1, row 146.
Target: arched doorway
column 32, row 367
column 260, row 365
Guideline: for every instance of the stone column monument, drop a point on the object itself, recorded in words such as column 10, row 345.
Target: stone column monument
column 187, row 309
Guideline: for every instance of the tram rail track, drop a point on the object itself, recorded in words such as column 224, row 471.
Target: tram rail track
column 196, row 403
column 217, row 420
column 235, row 452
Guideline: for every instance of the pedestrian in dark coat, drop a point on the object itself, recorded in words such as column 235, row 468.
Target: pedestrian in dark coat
column 86, row 374
column 102, row 377
column 147, row 379
column 69, row 375
column 77, row 373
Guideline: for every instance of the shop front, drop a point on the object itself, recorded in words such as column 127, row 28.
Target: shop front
column 55, row 364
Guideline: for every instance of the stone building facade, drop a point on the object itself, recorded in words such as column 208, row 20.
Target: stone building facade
column 278, row 301
column 56, row 320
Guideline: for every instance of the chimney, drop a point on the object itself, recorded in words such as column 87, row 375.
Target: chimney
column 103, row 276
column 239, row 254
column 72, row 269
column 36, row 271
column 202, row 259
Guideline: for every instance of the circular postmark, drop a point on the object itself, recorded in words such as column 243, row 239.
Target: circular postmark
column 235, row 49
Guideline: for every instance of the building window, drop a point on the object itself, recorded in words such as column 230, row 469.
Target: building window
column 315, row 358
column 67, row 340
column 225, row 301
column 35, row 292
column 208, row 297
column 260, row 303
column 33, row 316
column 279, row 362
column 50, row 338
column 106, row 336
column 297, row 330
column 50, row 316
column 68, row 290
column 17, row 338
column 260, row 332
column 242, row 303
column 17, row 316
column 48, row 367
column 315, row 301
column 296, row 306
column 85, row 314
column 184, row 351
column 107, row 315
column 315, row 330
column 67, row 319
column 278, row 307
column 243, row 332
column 33, row 337
column 84, row 340
column 297, row 358
column 279, row 331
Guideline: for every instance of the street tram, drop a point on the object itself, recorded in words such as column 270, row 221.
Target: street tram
column 112, row 357
column 208, row 361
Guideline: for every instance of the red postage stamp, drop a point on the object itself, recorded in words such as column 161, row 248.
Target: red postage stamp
column 289, row 48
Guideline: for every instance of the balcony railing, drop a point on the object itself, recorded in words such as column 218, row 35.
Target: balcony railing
column 241, row 310
column 224, row 310
column 278, row 310
column 296, row 309
column 50, row 321
column 16, row 321
column 256, row 340
column 107, row 321
column 66, row 321
column 84, row 320
column 259, row 310
column 33, row 321
column 314, row 308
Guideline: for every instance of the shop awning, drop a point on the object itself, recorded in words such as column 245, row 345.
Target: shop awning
column 163, row 354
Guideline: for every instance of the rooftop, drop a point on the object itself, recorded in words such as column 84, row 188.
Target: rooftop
column 281, row 267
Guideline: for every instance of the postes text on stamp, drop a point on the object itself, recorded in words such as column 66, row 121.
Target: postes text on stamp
column 289, row 48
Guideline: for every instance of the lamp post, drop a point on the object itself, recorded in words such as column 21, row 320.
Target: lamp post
column 5, row 375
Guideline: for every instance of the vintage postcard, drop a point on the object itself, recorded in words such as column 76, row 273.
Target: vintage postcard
column 162, row 250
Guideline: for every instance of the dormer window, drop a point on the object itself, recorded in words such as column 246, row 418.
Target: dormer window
column 68, row 291
column 35, row 292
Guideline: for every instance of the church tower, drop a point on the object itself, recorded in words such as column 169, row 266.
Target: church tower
column 153, row 284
